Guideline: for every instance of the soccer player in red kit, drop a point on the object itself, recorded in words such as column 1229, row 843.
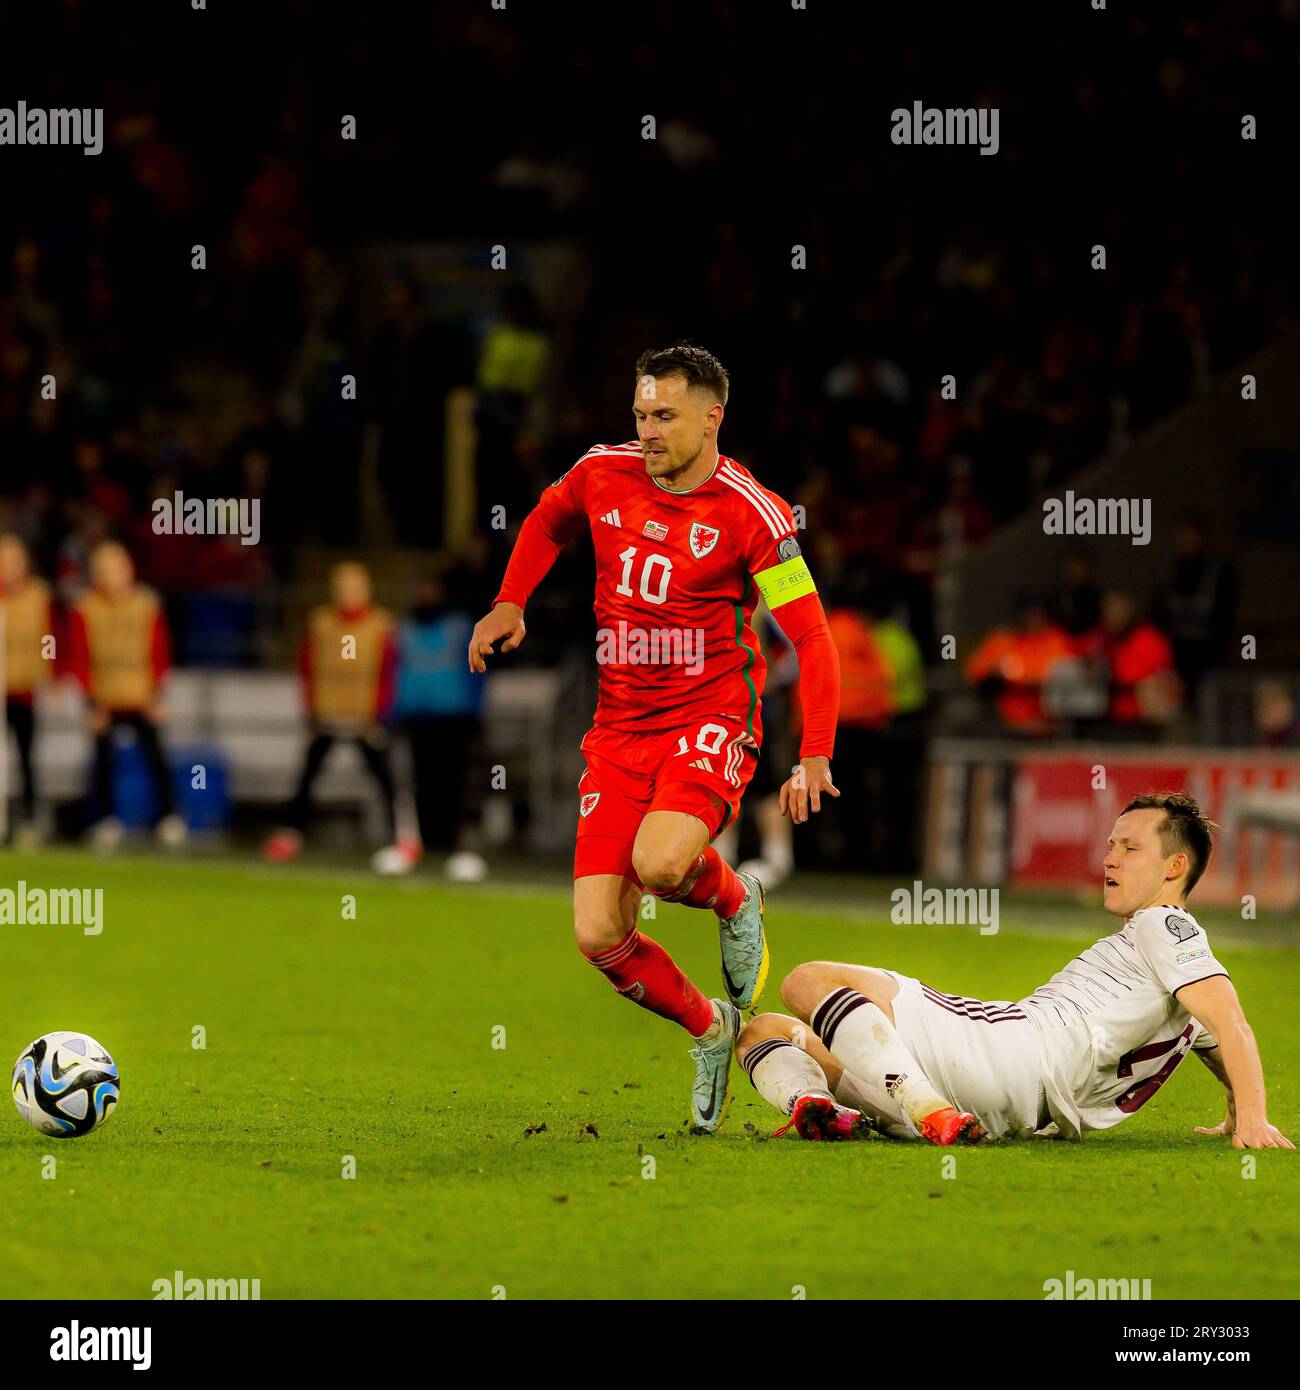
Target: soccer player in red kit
column 686, row 541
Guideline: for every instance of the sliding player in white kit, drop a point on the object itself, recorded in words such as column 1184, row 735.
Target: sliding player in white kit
column 873, row 1049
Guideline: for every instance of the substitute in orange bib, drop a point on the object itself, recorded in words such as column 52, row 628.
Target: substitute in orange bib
column 881, row 738
column 120, row 653
column 1144, row 686
column 347, row 662
column 28, row 622
column 1014, row 664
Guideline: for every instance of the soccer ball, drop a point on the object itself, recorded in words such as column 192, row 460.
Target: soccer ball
column 65, row 1085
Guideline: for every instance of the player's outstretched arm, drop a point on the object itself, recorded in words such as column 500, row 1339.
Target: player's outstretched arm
column 505, row 620
column 1215, row 1004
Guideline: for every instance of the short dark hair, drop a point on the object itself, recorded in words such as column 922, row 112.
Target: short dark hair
column 698, row 365
column 1185, row 827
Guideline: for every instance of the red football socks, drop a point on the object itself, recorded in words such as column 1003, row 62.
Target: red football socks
column 641, row 970
column 710, row 882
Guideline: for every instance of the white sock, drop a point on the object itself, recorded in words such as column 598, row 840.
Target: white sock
column 781, row 1073
column 857, row 1033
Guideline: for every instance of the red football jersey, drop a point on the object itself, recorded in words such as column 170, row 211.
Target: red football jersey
column 677, row 579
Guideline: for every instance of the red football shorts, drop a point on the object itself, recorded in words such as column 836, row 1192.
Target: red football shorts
column 702, row 768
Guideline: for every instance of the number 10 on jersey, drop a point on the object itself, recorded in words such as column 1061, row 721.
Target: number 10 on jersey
column 655, row 570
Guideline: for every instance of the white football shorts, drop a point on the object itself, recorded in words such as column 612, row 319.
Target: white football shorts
column 984, row 1057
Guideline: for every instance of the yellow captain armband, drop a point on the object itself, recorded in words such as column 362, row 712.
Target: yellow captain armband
column 781, row 583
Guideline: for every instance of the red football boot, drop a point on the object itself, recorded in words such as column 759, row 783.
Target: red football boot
column 949, row 1126
column 819, row 1117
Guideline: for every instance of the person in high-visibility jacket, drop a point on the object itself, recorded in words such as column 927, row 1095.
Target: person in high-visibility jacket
column 29, row 659
column 1015, row 663
column 866, row 680
column 347, row 662
column 1144, row 684
column 120, row 654
column 881, row 730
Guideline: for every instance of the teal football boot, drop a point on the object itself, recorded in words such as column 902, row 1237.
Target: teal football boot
column 711, row 1091
column 744, row 947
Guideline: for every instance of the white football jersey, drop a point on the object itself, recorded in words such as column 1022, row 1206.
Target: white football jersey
column 1113, row 1031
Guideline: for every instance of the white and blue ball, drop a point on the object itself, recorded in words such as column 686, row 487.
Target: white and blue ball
column 65, row 1085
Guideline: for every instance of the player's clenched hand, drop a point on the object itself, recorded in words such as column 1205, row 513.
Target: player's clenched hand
column 1259, row 1134
column 505, row 620
column 804, row 789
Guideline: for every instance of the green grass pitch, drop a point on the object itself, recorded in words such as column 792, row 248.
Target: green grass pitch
column 373, row 1038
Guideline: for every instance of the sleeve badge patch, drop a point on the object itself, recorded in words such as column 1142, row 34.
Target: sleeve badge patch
column 1179, row 928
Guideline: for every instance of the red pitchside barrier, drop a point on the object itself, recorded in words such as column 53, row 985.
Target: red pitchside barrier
column 1052, row 819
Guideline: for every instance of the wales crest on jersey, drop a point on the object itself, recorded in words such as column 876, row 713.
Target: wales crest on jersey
column 703, row 539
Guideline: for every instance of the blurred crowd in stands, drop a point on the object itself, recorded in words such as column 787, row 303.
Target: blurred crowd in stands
column 839, row 277
column 226, row 380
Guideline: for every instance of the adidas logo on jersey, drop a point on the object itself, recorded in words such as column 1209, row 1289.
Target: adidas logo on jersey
column 612, row 518
column 702, row 765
